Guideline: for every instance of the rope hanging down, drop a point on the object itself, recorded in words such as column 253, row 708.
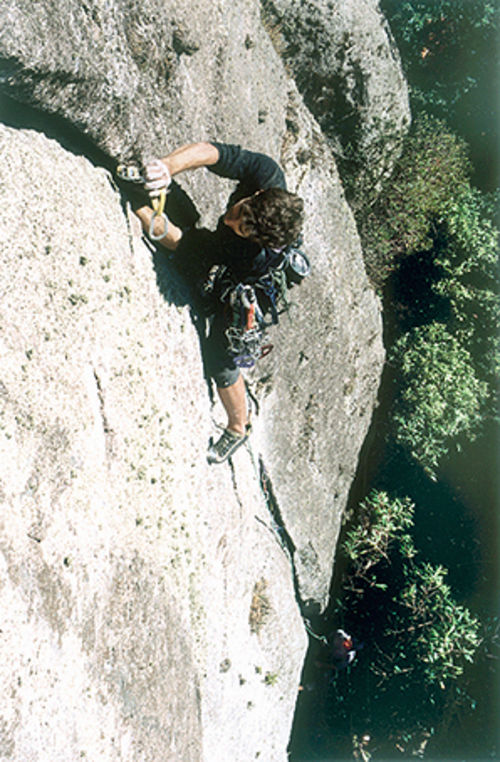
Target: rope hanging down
column 321, row 638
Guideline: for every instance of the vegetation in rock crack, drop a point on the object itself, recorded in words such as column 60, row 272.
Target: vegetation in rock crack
column 259, row 607
column 271, row 678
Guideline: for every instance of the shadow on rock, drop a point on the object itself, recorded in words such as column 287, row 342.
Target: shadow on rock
column 180, row 275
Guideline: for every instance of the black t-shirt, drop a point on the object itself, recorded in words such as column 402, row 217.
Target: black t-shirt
column 254, row 171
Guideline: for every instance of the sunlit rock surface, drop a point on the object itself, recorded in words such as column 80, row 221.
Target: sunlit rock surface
column 152, row 604
column 347, row 67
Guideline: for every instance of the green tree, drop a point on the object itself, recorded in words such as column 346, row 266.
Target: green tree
column 417, row 639
column 434, row 38
column 450, row 51
column 433, row 169
column 440, row 399
column 466, row 252
column 436, row 232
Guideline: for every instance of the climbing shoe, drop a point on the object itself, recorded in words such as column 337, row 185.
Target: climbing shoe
column 225, row 446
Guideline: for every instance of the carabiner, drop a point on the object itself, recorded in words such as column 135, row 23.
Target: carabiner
column 130, row 173
column 152, row 235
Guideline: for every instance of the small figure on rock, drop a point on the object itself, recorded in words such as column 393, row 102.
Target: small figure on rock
column 339, row 649
column 342, row 651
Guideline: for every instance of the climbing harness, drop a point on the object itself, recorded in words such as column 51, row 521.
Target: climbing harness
column 247, row 304
column 132, row 174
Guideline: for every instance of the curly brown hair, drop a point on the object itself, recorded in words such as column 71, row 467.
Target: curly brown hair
column 273, row 217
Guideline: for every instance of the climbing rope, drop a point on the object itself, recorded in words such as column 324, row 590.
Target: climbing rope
column 322, row 638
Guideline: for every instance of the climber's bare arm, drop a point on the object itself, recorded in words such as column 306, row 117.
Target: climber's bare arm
column 189, row 156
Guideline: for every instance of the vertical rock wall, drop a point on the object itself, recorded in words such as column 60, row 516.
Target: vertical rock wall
column 152, row 608
column 148, row 611
column 347, row 67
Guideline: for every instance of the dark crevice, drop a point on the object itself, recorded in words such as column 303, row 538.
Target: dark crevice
column 100, row 396
column 25, row 117
column 235, row 484
column 277, row 523
column 279, row 531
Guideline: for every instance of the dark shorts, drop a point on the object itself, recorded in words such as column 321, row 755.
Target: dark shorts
column 219, row 362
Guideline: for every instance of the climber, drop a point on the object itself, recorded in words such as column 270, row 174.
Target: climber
column 343, row 650
column 260, row 213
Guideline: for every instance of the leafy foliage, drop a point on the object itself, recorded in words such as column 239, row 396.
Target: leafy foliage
column 432, row 37
column 437, row 231
column 445, row 634
column 466, row 251
column 380, row 521
column 417, row 638
column 433, row 169
column 440, row 397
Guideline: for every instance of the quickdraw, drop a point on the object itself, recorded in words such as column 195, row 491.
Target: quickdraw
column 132, row 174
column 268, row 286
column 245, row 335
column 159, row 212
column 245, row 346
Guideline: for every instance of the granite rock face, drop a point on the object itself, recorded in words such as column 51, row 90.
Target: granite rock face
column 320, row 384
column 347, row 67
column 140, row 78
column 153, row 611
column 148, row 611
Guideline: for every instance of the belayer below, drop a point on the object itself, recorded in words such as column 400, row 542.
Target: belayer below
column 252, row 246
column 343, row 649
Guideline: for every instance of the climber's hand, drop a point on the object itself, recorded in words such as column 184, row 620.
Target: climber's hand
column 157, row 177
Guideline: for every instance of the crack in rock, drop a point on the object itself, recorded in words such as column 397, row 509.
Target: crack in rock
column 109, row 434
column 279, row 531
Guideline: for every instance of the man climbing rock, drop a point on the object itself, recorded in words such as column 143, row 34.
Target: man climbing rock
column 261, row 216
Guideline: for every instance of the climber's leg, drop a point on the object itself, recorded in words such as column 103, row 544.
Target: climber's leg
column 234, row 400
column 230, row 384
column 220, row 365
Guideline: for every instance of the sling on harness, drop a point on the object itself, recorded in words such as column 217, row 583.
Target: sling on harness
column 249, row 303
column 245, row 332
